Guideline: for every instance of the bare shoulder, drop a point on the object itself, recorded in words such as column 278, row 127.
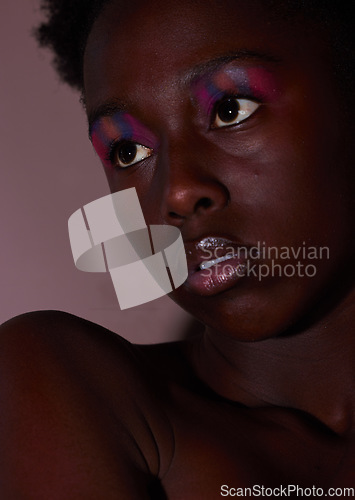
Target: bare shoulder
column 53, row 346
column 54, row 342
column 43, row 329
column 80, row 419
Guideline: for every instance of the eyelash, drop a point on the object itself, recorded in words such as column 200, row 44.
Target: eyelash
column 115, row 145
column 111, row 151
column 252, row 103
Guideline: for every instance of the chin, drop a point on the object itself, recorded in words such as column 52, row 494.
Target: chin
column 255, row 314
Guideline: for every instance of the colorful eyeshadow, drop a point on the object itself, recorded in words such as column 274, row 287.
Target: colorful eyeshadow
column 250, row 82
column 119, row 127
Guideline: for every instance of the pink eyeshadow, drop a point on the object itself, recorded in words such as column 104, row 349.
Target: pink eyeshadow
column 262, row 83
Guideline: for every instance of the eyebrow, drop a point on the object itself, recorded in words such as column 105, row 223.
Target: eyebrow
column 216, row 63
column 115, row 105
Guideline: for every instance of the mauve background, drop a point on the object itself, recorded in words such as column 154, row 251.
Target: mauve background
column 49, row 170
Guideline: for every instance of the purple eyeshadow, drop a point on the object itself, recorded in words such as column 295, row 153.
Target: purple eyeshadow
column 118, row 127
column 253, row 82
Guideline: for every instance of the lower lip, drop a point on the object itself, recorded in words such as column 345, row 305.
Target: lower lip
column 217, row 278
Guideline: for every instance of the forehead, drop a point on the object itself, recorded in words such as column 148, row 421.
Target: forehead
column 152, row 46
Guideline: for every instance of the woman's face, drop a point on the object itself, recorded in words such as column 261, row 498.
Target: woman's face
column 228, row 123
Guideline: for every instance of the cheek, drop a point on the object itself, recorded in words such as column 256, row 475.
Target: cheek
column 141, row 178
column 284, row 182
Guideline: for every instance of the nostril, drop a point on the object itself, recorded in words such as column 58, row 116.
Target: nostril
column 174, row 215
column 203, row 203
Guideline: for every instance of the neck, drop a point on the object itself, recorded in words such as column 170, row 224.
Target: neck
column 312, row 371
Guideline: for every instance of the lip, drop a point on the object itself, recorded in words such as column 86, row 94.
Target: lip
column 226, row 262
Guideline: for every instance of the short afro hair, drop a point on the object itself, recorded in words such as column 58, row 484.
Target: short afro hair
column 65, row 30
column 68, row 23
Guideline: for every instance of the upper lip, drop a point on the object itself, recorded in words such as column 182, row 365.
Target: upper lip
column 196, row 250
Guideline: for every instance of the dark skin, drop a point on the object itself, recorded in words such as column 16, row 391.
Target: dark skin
column 265, row 395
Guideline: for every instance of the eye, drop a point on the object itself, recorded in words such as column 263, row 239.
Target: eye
column 125, row 154
column 232, row 110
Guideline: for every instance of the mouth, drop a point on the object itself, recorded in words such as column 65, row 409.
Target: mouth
column 215, row 264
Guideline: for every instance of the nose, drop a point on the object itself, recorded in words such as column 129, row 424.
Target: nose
column 191, row 188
